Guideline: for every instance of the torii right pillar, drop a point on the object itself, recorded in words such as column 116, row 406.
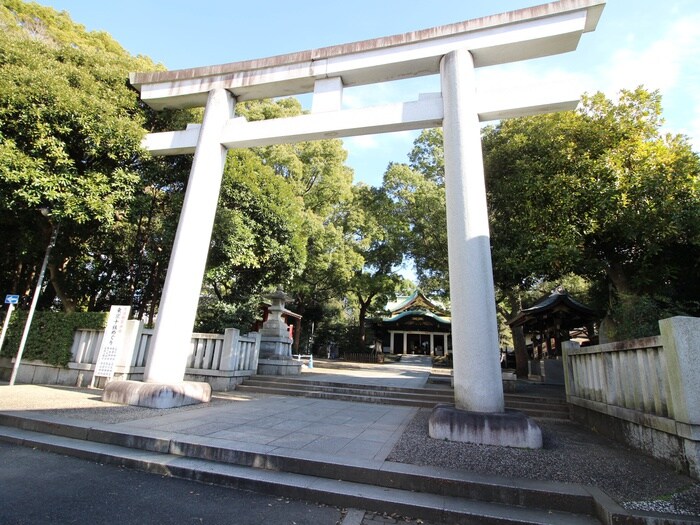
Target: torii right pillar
column 478, row 415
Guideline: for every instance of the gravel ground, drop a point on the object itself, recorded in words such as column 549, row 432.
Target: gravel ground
column 570, row 454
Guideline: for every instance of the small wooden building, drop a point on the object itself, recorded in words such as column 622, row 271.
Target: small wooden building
column 552, row 320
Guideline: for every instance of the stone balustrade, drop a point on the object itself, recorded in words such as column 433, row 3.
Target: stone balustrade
column 644, row 392
column 222, row 360
column 628, row 374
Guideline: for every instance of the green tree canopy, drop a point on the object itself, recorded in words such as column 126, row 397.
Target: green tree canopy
column 419, row 201
column 376, row 230
column 70, row 133
column 258, row 241
column 602, row 192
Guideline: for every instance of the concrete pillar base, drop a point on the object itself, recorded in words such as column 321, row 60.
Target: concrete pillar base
column 156, row 395
column 507, row 429
column 279, row 367
column 278, row 347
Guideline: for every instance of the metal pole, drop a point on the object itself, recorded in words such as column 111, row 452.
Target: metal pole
column 37, row 291
column 10, row 307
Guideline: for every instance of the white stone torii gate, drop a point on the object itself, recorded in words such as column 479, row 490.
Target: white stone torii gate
column 452, row 51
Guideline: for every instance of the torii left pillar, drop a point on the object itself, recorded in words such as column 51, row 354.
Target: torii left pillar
column 163, row 385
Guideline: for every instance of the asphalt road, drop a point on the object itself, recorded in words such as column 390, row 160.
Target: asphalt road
column 39, row 487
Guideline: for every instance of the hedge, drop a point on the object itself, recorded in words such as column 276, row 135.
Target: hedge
column 51, row 335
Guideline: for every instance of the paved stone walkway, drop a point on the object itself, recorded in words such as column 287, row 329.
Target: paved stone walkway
column 281, row 424
column 411, row 372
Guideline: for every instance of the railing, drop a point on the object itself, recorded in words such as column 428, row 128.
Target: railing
column 228, row 352
column 86, row 345
column 142, row 348
column 627, row 374
column 308, row 357
column 644, row 392
column 205, row 351
column 363, row 357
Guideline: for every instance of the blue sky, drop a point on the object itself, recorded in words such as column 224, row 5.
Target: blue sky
column 649, row 42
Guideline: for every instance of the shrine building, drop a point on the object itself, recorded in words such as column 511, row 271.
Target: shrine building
column 415, row 325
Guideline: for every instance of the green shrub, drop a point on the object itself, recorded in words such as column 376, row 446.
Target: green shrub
column 214, row 316
column 51, row 335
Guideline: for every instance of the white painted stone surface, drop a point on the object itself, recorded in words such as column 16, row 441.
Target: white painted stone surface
column 644, row 392
column 426, row 112
column 527, row 33
column 505, row 429
column 328, row 95
column 477, row 370
column 178, row 304
column 156, row 395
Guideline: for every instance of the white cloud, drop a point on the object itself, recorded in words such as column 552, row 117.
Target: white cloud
column 522, row 75
column 666, row 61
column 659, row 65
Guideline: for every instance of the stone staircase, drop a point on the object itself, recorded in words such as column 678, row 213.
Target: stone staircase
column 533, row 404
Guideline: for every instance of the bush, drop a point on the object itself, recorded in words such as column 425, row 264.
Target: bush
column 51, row 334
column 214, row 316
column 345, row 338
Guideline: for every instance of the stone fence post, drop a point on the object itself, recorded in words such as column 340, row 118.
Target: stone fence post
column 681, row 340
column 228, row 351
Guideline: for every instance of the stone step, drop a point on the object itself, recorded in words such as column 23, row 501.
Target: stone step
column 281, row 391
column 537, row 407
column 440, row 396
column 438, row 495
column 438, row 391
column 532, row 411
column 287, row 380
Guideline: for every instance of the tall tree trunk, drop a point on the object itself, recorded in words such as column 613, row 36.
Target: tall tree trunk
column 521, row 368
column 57, row 283
column 618, row 278
column 364, row 305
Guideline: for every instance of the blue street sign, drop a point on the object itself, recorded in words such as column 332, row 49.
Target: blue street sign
column 11, row 299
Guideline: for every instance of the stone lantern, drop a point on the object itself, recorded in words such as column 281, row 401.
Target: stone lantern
column 275, row 343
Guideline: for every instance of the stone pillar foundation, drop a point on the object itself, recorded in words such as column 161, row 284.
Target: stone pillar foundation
column 279, row 367
column 507, row 429
column 157, row 395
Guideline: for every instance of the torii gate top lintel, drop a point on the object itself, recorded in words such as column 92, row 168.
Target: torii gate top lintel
column 526, row 33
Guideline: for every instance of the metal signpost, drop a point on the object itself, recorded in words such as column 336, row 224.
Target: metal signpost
column 11, row 301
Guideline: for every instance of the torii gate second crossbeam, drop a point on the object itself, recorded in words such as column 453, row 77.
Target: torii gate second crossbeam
column 452, row 51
